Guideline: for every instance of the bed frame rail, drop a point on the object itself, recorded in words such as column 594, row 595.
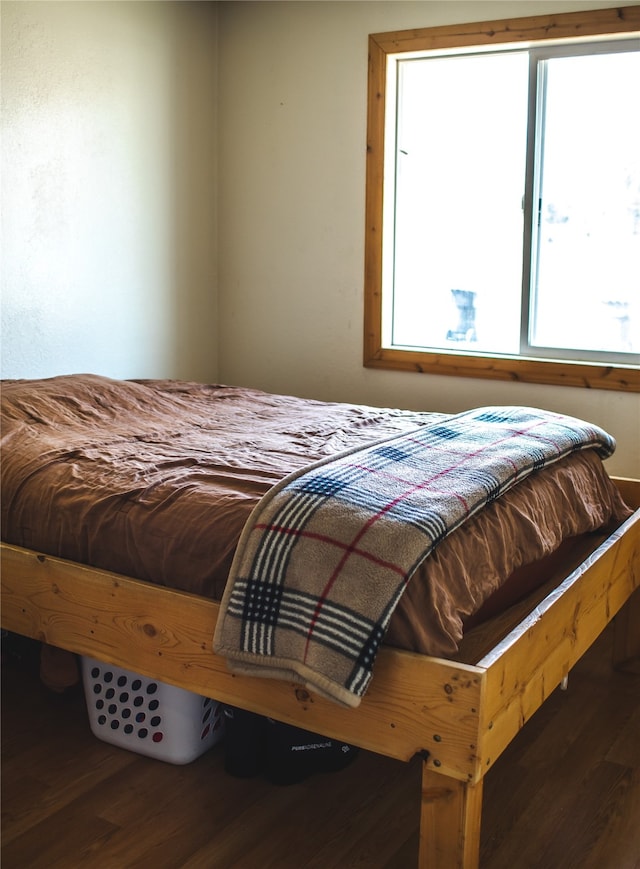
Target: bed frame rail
column 167, row 634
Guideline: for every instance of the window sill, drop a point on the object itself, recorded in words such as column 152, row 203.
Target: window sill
column 515, row 369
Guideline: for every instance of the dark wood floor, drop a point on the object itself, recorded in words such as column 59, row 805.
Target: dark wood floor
column 565, row 795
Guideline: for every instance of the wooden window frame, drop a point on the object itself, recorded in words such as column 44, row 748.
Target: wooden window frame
column 590, row 23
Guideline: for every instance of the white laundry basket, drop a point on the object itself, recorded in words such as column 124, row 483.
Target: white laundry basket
column 148, row 716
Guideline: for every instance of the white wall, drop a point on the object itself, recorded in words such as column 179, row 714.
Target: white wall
column 108, row 189
column 292, row 104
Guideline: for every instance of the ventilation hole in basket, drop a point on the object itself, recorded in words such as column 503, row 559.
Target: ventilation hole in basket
column 140, row 717
column 112, row 709
column 102, row 719
column 143, row 733
column 126, row 713
column 155, row 721
column 110, row 694
column 97, row 688
column 115, row 724
column 124, row 697
column 138, row 701
column 128, row 729
column 152, row 687
column 207, row 715
column 108, row 676
column 153, row 705
column 158, row 736
column 205, row 732
column 95, row 672
column 99, row 704
column 122, row 681
column 136, row 685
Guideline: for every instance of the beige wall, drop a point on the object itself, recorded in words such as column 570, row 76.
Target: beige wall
column 292, row 157
column 108, row 188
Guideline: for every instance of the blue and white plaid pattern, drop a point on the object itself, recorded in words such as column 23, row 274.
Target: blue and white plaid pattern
column 327, row 553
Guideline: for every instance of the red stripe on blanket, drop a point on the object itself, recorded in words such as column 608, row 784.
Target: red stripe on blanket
column 293, row 532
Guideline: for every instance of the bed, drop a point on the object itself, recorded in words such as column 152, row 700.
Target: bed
column 88, row 565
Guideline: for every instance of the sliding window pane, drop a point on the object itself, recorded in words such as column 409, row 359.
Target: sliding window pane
column 459, row 185
column 587, row 277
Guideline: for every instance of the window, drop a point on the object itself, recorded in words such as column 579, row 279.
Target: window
column 503, row 200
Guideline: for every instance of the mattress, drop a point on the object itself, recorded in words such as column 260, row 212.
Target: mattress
column 156, row 479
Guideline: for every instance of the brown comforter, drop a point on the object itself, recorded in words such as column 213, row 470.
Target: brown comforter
column 155, row 480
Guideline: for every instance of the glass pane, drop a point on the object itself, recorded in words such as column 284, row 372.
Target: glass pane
column 587, row 287
column 460, row 175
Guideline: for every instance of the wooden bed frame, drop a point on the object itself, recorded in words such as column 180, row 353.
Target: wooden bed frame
column 458, row 715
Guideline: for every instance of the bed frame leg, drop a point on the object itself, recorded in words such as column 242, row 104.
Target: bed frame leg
column 450, row 818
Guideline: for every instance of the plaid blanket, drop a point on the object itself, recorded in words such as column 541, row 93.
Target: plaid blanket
column 326, row 554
